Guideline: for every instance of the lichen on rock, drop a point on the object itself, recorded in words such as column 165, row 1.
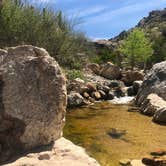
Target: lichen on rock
column 32, row 99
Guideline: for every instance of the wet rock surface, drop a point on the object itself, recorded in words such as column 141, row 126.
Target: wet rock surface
column 160, row 115
column 75, row 99
column 155, row 161
column 116, row 134
column 136, row 86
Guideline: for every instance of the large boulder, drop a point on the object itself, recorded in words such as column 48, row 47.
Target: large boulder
column 160, row 115
column 96, row 95
column 32, row 99
column 100, row 81
column 110, row 71
column 133, row 90
column 151, row 97
column 152, row 104
column 77, row 85
column 128, row 77
column 94, row 67
column 116, row 83
column 154, row 82
column 136, row 86
column 74, row 99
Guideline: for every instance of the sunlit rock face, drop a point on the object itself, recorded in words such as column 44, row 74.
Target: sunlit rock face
column 63, row 153
column 110, row 71
column 32, row 99
column 152, row 95
column 154, row 82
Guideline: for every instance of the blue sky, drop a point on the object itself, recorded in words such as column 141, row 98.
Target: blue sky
column 105, row 18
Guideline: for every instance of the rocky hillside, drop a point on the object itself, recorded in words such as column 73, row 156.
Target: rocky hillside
column 154, row 26
column 155, row 21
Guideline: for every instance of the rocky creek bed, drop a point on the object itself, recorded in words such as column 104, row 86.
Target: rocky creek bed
column 33, row 113
column 111, row 133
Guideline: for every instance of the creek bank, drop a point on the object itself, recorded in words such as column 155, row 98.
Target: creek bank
column 103, row 82
column 151, row 97
column 63, row 153
column 111, row 132
column 99, row 87
column 155, row 158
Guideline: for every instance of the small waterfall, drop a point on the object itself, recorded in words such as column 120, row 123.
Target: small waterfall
column 122, row 100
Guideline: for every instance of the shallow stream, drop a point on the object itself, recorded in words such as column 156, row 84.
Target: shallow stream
column 110, row 132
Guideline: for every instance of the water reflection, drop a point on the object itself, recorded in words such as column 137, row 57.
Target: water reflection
column 110, row 132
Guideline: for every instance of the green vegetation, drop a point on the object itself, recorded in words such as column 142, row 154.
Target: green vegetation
column 159, row 46
column 137, row 48
column 154, row 27
column 104, row 56
column 73, row 74
column 22, row 23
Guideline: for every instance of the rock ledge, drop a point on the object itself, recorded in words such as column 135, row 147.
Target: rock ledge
column 63, row 153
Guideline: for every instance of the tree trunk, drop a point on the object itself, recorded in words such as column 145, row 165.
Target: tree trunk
column 132, row 63
column 119, row 60
column 145, row 65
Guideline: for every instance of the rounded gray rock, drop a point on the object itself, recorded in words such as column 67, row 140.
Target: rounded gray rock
column 32, row 98
column 154, row 82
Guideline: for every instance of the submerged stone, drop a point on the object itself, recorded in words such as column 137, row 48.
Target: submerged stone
column 116, row 134
column 125, row 162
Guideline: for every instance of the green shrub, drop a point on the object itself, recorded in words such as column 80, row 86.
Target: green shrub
column 104, row 55
column 136, row 48
column 73, row 74
column 21, row 23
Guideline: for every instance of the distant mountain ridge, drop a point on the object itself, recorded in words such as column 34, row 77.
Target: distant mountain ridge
column 156, row 16
column 154, row 22
column 154, row 26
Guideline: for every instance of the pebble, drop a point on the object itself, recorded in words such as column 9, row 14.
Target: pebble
column 125, row 162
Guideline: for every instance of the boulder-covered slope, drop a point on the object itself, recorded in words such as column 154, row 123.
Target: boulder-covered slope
column 156, row 19
column 154, row 24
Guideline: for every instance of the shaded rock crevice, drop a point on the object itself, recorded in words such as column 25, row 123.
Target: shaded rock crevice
column 11, row 129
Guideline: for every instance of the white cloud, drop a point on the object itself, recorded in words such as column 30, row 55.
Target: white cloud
column 80, row 12
column 109, row 15
column 53, row 1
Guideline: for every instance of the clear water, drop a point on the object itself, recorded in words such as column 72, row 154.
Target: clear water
column 110, row 133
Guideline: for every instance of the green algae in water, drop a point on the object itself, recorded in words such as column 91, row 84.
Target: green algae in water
column 90, row 127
